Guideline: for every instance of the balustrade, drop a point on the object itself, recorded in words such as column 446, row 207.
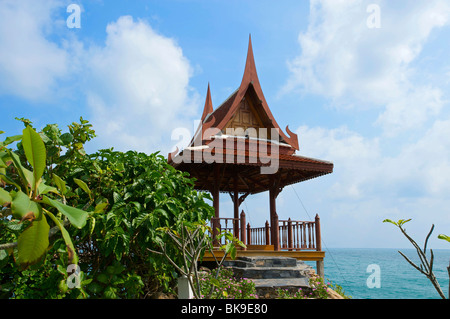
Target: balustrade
column 293, row 234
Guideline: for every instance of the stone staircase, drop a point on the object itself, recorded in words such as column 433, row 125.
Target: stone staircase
column 272, row 273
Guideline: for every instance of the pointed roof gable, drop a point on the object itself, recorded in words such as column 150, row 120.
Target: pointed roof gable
column 224, row 113
column 238, row 162
column 208, row 108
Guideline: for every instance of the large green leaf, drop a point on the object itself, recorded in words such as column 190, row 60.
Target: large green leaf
column 83, row 186
column 23, row 207
column 35, row 152
column 4, row 157
column 73, row 258
column 77, row 217
column 10, row 139
column 44, row 189
column 59, row 183
column 26, row 176
column 33, row 242
column 5, row 198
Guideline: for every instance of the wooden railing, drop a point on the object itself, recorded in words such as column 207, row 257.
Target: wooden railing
column 234, row 225
column 258, row 235
column 297, row 235
column 292, row 234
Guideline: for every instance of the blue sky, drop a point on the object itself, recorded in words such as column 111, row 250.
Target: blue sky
column 373, row 100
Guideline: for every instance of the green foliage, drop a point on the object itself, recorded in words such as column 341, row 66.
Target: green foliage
column 143, row 195
column 426, row 266
column 189, row 241
column 114, row 282
column 444, row 237
column 318, row 290
column 338, row 289
column 399, row 223
column 226, row 286
column 25, row 196
column 115, row 203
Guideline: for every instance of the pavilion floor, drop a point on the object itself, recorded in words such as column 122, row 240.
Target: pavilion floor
column 268, row 251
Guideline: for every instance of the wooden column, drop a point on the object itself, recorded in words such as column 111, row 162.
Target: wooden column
column 275, row 232
column 243, row 230
column 236, row 207
column 318, row 235
column 290, row 241
column 215, row 195
column 319, row 264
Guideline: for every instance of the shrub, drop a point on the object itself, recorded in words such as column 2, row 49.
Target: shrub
column 226, row 286
column 127, row 197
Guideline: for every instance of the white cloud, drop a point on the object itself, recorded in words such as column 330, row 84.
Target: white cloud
column 30, row 64
column 420, row 168
column 354, row 158
column 138, row 87
column 427, row 161
column 404, row 171
column 360, row 67
column 368, row 186
column 135, row 84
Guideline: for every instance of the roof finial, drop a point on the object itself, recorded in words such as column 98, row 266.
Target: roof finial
column 208, row 108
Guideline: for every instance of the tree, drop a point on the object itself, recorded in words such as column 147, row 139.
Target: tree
column 191, row 240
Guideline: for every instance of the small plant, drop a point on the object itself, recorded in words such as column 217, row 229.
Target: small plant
column 318, row 290
column 338, row 289
column 226, row 286
column 286, row 294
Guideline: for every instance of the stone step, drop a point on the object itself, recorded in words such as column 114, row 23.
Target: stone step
column 270, row 272
column 302, row 282
column 262, row 261
column 238, row 263
column 268, row 288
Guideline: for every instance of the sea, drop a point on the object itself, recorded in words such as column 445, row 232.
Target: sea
column 382, row 273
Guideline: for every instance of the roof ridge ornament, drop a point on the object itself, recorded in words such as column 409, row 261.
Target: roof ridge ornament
column 208, row 108
column 250, row 77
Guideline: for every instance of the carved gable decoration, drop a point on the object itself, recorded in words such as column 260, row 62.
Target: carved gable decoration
column 245, row 122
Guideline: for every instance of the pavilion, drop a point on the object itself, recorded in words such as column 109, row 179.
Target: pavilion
column 240, row 149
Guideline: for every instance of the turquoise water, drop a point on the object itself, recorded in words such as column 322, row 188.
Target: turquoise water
column 397, row 278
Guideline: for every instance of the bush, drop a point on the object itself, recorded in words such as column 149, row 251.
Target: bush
column 226, row 286
column 128, row 196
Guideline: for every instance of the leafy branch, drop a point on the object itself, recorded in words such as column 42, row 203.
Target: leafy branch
column 426, row 266
column 25, row 196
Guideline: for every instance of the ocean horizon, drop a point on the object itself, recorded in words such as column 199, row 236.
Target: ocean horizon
column 382, row 273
